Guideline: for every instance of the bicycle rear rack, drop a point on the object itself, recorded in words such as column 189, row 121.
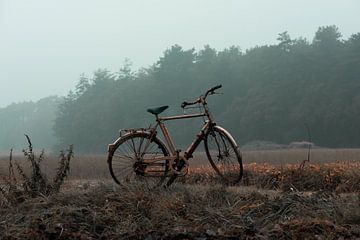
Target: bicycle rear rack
column 132, row 130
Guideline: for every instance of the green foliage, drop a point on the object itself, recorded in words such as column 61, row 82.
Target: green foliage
column 327, row 36
column 270, row 92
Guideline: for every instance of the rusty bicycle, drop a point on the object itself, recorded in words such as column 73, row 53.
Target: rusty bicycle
column 139, row 154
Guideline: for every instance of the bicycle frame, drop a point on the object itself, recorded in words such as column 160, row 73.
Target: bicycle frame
column 173, row 152
column 195, row 143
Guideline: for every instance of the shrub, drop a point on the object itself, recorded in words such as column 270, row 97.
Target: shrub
column 17, row 188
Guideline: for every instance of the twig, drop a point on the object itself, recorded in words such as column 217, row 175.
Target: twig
column 302, row 165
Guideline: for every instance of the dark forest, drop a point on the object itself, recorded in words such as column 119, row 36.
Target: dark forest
column 269, row 93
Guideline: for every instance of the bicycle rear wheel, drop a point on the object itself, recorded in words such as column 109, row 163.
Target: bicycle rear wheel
column 126, row 160
column 224, row 155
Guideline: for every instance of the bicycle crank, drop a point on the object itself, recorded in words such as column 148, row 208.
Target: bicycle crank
column 179, row 166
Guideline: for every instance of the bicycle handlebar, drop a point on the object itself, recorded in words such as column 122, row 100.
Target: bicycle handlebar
column 210, row 91
column 184, row 104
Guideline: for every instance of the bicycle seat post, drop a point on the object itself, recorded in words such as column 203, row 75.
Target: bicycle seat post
column 178, row 153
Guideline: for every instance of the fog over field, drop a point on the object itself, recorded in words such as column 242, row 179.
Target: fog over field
column 75, row 72
column 45, row 45
column 274, row 150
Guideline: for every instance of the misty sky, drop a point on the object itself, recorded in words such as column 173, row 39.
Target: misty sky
column 46, row 44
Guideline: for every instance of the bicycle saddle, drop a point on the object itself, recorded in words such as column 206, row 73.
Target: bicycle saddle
column 157, row 110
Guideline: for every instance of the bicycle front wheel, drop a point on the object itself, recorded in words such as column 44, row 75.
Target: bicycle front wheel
column 126, row 160
column 224, row 155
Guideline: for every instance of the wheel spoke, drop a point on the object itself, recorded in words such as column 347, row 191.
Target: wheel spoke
column 125, row 161
column 124, row 157
column 224, row 156
column 140, row 145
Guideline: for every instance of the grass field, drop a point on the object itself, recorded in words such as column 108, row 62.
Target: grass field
column 95, row 166
column 275, row 200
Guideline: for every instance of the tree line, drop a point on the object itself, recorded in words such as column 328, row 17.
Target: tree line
column 270, row 92
column 33, row 118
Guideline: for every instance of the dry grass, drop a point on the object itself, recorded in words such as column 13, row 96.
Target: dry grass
column 275, row 200
column 184, row 212
column 95, row 166
column 15, row 188
column 337, row 177
column 287, row 156
column 81, row 167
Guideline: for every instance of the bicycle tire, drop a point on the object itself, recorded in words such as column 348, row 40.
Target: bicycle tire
column 124, row 158
column 224, row 155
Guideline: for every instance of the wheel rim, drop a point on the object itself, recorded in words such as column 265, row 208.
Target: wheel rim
column 224, row 156
column 125, row 161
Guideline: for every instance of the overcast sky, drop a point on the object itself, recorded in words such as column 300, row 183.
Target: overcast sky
column 46, row 44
